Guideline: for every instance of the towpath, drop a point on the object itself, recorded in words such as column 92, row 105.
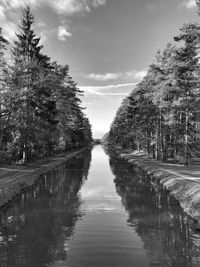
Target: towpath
column 182, row 182
column 14, row 178
column 187, row 172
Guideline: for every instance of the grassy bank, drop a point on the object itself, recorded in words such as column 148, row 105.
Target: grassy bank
column 14, row 179
column 180, row 181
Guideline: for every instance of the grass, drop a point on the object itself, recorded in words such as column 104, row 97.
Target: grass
column 181, row 181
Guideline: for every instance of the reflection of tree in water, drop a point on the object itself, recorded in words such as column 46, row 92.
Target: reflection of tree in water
column 35, row 231
column 157, row 218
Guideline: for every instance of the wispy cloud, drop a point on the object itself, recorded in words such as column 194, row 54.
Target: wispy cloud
column 90, row 90
column 8, row 26
column 2, row 13
column 189, row 4
column 9, row 30
column 108, row 89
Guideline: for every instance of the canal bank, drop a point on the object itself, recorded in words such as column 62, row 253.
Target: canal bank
column 180, row 181
column 96, row 210
column 15, row 179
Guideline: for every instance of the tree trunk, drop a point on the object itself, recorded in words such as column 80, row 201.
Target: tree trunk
column 186, row 148
column 148, row 143
column 157, row 144
column 138, row 145
column 25, row 152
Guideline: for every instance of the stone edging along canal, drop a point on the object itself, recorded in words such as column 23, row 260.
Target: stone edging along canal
column 12, row 186
column 184, row 189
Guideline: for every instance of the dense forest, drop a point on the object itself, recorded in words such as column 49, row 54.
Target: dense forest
column 40, row 106
column 162, row 114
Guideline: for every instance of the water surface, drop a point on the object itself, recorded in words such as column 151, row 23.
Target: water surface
column 98, row 213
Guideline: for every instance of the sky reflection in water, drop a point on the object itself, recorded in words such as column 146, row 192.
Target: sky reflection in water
column 72, row 218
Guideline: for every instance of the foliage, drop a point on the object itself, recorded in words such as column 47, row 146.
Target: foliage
column 161, row 116
column 40, row 106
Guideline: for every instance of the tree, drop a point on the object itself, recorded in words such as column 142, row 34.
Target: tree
column 32, row 85
column 40, row 106
column 162, row 113
column 73, row 125
column 187, row 82
column 3, row 72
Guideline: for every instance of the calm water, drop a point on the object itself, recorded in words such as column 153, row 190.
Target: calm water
column 97, row 213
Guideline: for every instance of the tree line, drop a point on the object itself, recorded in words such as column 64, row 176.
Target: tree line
column 162, row 114
column 40, row 106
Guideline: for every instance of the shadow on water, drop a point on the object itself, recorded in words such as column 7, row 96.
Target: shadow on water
column 35, row 230
column 165, row 230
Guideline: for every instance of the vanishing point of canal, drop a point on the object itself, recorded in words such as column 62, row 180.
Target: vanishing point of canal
column 96, row 212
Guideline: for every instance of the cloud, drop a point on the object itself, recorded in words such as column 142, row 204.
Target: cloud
column 103, row 77
column 137, row 75
column 15, row 4
column 74, row 6
column 2, row 13
column 105, row 90
column 45, row 34
column 189, row 4
column 132, row 75
column 63, row 33
column 67, row 7
column 102, row 104
column 8, row 27
column 9, row 30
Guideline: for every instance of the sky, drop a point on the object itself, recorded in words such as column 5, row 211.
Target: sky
column 108, row 44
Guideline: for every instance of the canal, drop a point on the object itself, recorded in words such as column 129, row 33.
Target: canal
column 96, row 211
